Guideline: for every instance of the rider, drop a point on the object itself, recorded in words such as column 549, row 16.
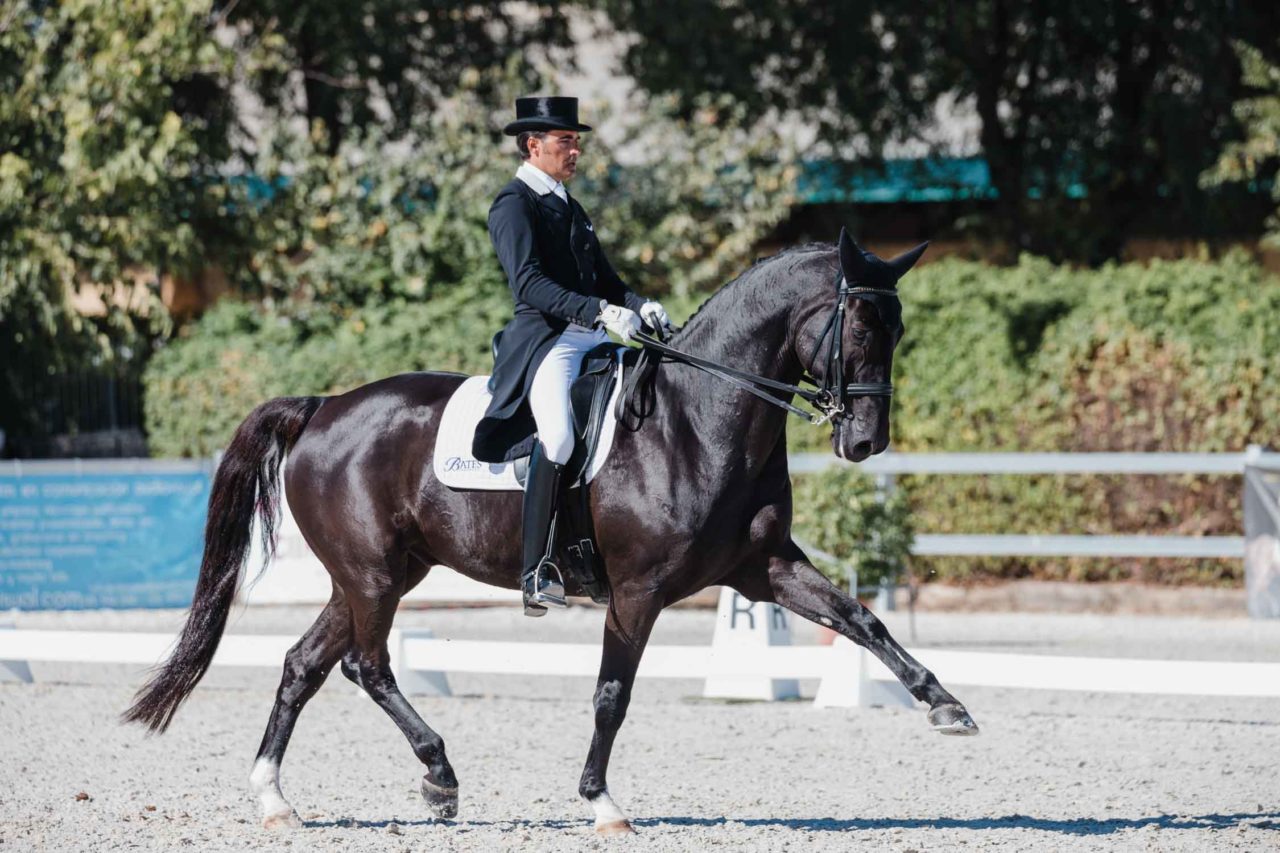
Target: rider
column 566, row 295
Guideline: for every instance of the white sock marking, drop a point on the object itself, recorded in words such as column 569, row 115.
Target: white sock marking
column 265, row 781
column 607, row 810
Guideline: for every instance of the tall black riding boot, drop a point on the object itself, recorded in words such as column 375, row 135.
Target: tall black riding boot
column 540, row 581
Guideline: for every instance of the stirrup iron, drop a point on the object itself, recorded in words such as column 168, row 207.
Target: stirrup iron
column 537, row 587
column 543, row 588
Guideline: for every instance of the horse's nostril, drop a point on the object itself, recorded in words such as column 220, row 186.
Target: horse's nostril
column 862, row 450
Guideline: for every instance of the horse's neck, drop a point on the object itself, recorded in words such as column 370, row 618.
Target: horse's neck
column 725, row 425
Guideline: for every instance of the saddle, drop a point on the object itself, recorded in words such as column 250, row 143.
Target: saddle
column 589, row 398
column 593, row 397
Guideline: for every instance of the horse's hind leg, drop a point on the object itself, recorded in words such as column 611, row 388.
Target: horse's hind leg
column 792, row 581
column 305, row 668
column 368, row 664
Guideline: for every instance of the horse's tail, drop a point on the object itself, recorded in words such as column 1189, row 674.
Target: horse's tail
column 246, row 484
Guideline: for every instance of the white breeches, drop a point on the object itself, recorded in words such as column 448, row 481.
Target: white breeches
column 549, row 394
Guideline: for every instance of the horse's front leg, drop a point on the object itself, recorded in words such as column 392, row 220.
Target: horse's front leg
column 792, row 581
column 626, row 631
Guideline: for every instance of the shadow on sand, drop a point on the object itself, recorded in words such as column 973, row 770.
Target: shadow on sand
column 1063, row 826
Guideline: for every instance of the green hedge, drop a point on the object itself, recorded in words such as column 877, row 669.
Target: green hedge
column 1170, row 356
column 869, row 532
column 201, row 386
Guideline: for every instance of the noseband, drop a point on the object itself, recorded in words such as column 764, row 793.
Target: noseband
column 831, row 394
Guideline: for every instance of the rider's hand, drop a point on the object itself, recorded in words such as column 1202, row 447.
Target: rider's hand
column 623, row 322
column 656, row 316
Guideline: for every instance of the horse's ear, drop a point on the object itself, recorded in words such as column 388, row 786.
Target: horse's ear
column 907, row 259
column 853, row 265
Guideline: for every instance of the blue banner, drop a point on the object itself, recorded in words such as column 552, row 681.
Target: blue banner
column 115, row 535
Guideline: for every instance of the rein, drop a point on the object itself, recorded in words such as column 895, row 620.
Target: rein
column 828, row 397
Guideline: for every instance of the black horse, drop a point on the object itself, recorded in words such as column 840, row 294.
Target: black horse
column 698, row 494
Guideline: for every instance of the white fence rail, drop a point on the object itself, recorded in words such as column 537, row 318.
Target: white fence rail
column 889, row 465
column 1042, row 463
column 1044, row 545
column 842, row 669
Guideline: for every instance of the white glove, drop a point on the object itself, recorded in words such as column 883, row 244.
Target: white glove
column 623, row 322
column 656, row 316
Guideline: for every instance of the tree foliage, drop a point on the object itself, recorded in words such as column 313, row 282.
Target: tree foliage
column 1091, row 114
column 376, row 259
column 1171, row 356
column 1255, row 159
column 869, row 531
column 387, row 63
column 101, row 177
column 376, row 220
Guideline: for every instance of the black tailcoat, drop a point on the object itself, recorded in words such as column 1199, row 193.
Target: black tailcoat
column 557, row 272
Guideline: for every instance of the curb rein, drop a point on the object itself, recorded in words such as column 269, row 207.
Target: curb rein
column 828, row 396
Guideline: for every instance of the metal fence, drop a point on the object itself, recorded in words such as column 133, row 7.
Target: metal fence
column 89, row 413
column 1259, row 546
column 890, row 465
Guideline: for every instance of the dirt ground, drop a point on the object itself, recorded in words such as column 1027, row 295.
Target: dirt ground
column 1051, row 771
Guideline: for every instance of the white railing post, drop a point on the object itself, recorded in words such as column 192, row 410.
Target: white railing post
column 885, row 597
column 14, row 670
column 1262, row 535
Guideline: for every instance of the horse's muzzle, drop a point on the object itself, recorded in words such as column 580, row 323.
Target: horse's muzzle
column 854, row 444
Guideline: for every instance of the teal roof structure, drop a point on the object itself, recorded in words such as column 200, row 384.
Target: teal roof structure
column 933, row 179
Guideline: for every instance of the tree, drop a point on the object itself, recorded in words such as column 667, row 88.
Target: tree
column 104, row 177
column 383, row 62
column 376, row 221
column 1256, row 157
column 1091, row 112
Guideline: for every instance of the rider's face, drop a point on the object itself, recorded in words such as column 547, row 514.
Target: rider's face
column 556, row 153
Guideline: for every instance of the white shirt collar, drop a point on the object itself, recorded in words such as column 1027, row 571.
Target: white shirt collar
column 539, row 181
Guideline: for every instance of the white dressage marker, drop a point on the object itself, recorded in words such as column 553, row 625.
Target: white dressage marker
column 414, row 681
column 742, row 624
column 855, row 679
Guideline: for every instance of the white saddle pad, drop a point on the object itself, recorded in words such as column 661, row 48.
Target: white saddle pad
column 458, row 469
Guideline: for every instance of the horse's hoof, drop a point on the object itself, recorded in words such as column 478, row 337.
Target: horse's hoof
column 952, row 720
column 442, row 801
column 283, row 820
column 615, row 827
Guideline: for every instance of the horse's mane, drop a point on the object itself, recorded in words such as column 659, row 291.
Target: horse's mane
column 759, row 265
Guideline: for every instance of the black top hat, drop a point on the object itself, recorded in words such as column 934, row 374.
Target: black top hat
column 545, row 114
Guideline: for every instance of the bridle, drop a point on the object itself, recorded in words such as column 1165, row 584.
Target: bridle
column 830, row 396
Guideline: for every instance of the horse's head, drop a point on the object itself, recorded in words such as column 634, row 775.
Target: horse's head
column 846, row 342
